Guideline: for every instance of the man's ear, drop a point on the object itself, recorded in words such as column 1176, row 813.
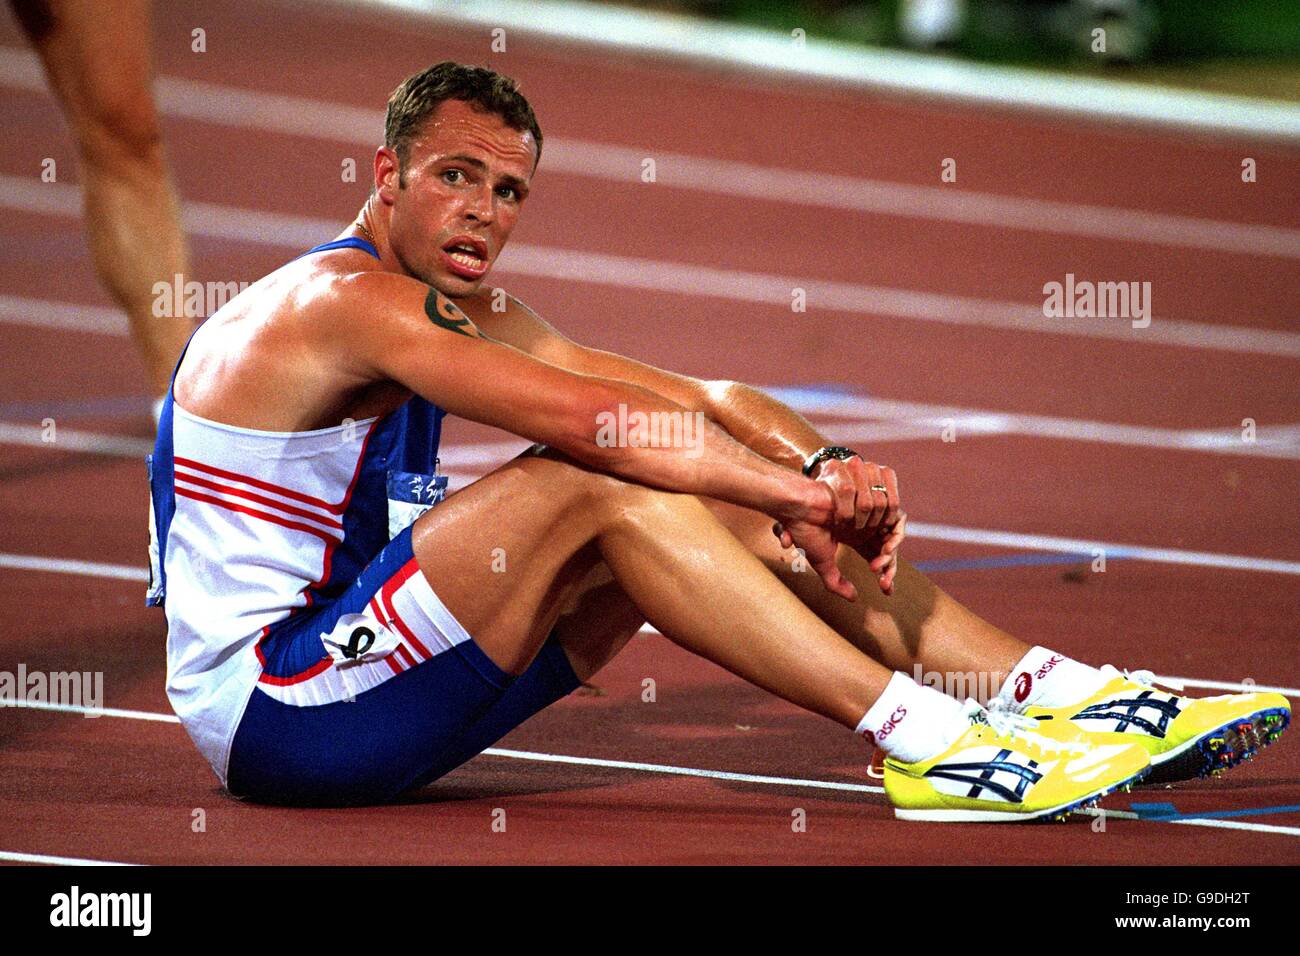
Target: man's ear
column 387, row 175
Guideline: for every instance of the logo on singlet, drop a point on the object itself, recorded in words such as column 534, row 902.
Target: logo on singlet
column 354, row 648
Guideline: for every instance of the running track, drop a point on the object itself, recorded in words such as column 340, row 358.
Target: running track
column 919, row 293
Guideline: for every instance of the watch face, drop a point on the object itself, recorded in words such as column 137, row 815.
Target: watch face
column 821, row 455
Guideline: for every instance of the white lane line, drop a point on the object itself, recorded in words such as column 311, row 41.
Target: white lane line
column 591, row 268
column 91, row 711
column 1237, row 825
column 685, row 771
column 71, row 439
column 919, row 429
column 1211, row 822
column 575, row 265
column 88, row 569
column 846, row 418
column 622, row 164
column 1270, row 441
column 499, row 752
column 15, row 857
column 43, row 313
column 641, row 767
column 285, row 115
column 659, row 34
column 965, row 423
column 209, row 220
column 462, row 463
column 1237, row 687
column 1044, row 542
column 916, row 529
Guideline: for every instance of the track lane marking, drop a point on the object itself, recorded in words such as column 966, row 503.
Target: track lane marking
column 937, row 532
column 13, row 856
column 286, row 114
column 230, row 223
column 72, row 439
column 853, row 412
column 212, row 220
column 638, row 766
column 1270, row 442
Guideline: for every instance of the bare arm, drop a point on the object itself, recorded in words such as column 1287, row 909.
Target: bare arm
column 753, row 418
column 871, row 521
column 383, row 326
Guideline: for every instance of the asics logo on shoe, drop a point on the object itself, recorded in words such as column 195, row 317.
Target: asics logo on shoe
column 888, row 726
column 1023, row 683
column 1047, row 668
column 983, row 776
column 1144, row 713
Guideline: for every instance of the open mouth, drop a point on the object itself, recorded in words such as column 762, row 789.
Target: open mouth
column 466, row 256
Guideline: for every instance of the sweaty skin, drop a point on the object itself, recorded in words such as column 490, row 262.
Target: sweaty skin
column 340, row 335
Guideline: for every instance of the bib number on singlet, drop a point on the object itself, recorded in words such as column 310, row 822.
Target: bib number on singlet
column 410, row 495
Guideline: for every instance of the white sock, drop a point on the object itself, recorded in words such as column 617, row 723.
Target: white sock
column 910, row 722
column 1044, row 678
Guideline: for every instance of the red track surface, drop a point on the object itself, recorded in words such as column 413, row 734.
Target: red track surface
column 124, row 789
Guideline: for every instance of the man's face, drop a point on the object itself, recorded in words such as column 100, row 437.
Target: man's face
column 466, row 177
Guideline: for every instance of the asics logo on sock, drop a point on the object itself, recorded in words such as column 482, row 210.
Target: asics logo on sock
column 1023, row 683
column 888, row 726
column 1047, row 668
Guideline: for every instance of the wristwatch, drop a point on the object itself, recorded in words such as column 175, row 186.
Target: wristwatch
column 821, row 454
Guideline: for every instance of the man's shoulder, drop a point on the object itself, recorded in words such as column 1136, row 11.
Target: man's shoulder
column 351, row 301
column 360, row 289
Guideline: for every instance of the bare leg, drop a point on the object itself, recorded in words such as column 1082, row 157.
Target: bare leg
column 919, row 624
column 597, row 622
column 546, row 524
column 99, row 66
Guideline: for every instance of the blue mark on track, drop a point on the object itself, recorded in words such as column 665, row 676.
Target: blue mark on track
column 1167, row 811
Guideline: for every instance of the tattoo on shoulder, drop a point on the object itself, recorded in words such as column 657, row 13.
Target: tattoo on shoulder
column 443, row 312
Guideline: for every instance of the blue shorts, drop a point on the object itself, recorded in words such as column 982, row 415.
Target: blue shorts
column 341, row 729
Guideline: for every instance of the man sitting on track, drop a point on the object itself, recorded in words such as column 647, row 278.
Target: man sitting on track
column 335, row 640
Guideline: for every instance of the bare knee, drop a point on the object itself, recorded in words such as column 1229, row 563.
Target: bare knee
column 117, row 127
column 594, row 495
